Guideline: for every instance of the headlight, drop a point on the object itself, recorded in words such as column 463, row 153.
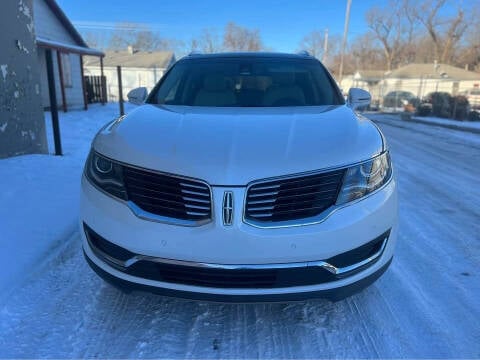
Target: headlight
column 364, row 178
column 106, row 175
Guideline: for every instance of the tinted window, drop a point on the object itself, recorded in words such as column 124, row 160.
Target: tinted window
column 247, row 83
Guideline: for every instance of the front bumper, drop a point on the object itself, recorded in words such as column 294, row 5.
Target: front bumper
column 347, row 229
column 333, row 294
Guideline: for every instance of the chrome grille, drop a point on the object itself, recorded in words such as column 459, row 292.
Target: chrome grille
column 167, row 195
column 292, row 198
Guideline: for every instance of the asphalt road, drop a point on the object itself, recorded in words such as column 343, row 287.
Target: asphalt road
column 426, row 305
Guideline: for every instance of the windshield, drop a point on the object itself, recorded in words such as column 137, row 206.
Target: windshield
column 247, row 83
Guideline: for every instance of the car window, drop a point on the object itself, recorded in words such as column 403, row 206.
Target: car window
column 247, row 83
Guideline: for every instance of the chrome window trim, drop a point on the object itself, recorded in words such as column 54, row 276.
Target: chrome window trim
column 145, row 215
column 324, row 215
column 338, row 271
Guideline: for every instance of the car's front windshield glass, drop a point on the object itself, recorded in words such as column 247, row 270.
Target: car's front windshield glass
column 247, row 83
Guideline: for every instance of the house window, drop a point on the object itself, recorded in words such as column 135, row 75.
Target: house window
column 66, row 69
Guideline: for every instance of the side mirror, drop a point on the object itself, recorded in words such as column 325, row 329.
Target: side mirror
column 358, row 98
column 137, row 96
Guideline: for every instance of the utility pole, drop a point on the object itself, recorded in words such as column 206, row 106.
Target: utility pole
column 344, row 41
column 325, row 46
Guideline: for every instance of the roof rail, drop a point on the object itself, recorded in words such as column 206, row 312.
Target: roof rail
column 195, row 52
column 303, row 53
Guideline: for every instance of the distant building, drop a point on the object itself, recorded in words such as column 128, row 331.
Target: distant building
column 418, row 79
column 139, row 68
column 365, row 79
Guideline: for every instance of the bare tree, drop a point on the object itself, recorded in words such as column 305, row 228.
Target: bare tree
column 387, row 28
column 410, row 32
column 313, row 43
column 238, row 38
column 445, row 33
column 209, row 41
column 138, row 36
column 469, row 53
column 91, row 39
column 365, row 55
column 96, row 39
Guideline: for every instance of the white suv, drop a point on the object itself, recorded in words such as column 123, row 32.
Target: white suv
column 243, row 177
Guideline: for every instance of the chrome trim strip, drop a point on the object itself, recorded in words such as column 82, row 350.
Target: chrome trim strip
column 338, row 271
column 145, row 215
column 315, row 219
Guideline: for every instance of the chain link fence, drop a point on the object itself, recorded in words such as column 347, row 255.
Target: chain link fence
column 440, row 97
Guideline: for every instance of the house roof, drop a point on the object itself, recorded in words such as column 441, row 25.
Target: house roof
column 440, row 71
column 81, row 47
column 139, row 59
column 66, row 22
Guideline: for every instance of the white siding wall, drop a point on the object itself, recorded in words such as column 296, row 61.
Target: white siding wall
column 47, row 25
column 373, row 88
column 74, row 94
column 131, row 78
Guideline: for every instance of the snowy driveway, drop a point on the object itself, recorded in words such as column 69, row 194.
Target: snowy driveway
column 426, row 305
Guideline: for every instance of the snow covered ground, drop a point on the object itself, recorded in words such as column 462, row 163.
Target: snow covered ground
column 39, row 193
column 426, row 305
column 441, row 121
column 469, row 126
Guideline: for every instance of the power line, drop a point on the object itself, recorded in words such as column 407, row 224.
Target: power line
column 106, row 25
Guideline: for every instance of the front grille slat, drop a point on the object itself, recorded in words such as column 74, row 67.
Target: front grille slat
column 328, row 185
column 168, row 195
column 301, row 179
column 302, row 205
column 163, row 187
column 292, row 198
column 272, row 193
column 167, row 210
column 165, row 199
column 195, row 193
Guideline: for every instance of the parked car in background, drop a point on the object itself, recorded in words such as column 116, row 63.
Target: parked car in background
column 244, row 177
column 395, row 101
column 473, row 97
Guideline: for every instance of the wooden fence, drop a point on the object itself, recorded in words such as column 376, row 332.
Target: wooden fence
column 96, row 88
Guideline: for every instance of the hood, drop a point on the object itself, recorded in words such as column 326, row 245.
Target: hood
column 234, row 146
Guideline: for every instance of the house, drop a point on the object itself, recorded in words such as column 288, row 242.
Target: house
column 139, row 68
column 422, row 79
column 54, row 31
column 365, row 79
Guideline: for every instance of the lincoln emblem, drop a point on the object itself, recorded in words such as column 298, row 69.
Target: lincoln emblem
column 227, row 208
